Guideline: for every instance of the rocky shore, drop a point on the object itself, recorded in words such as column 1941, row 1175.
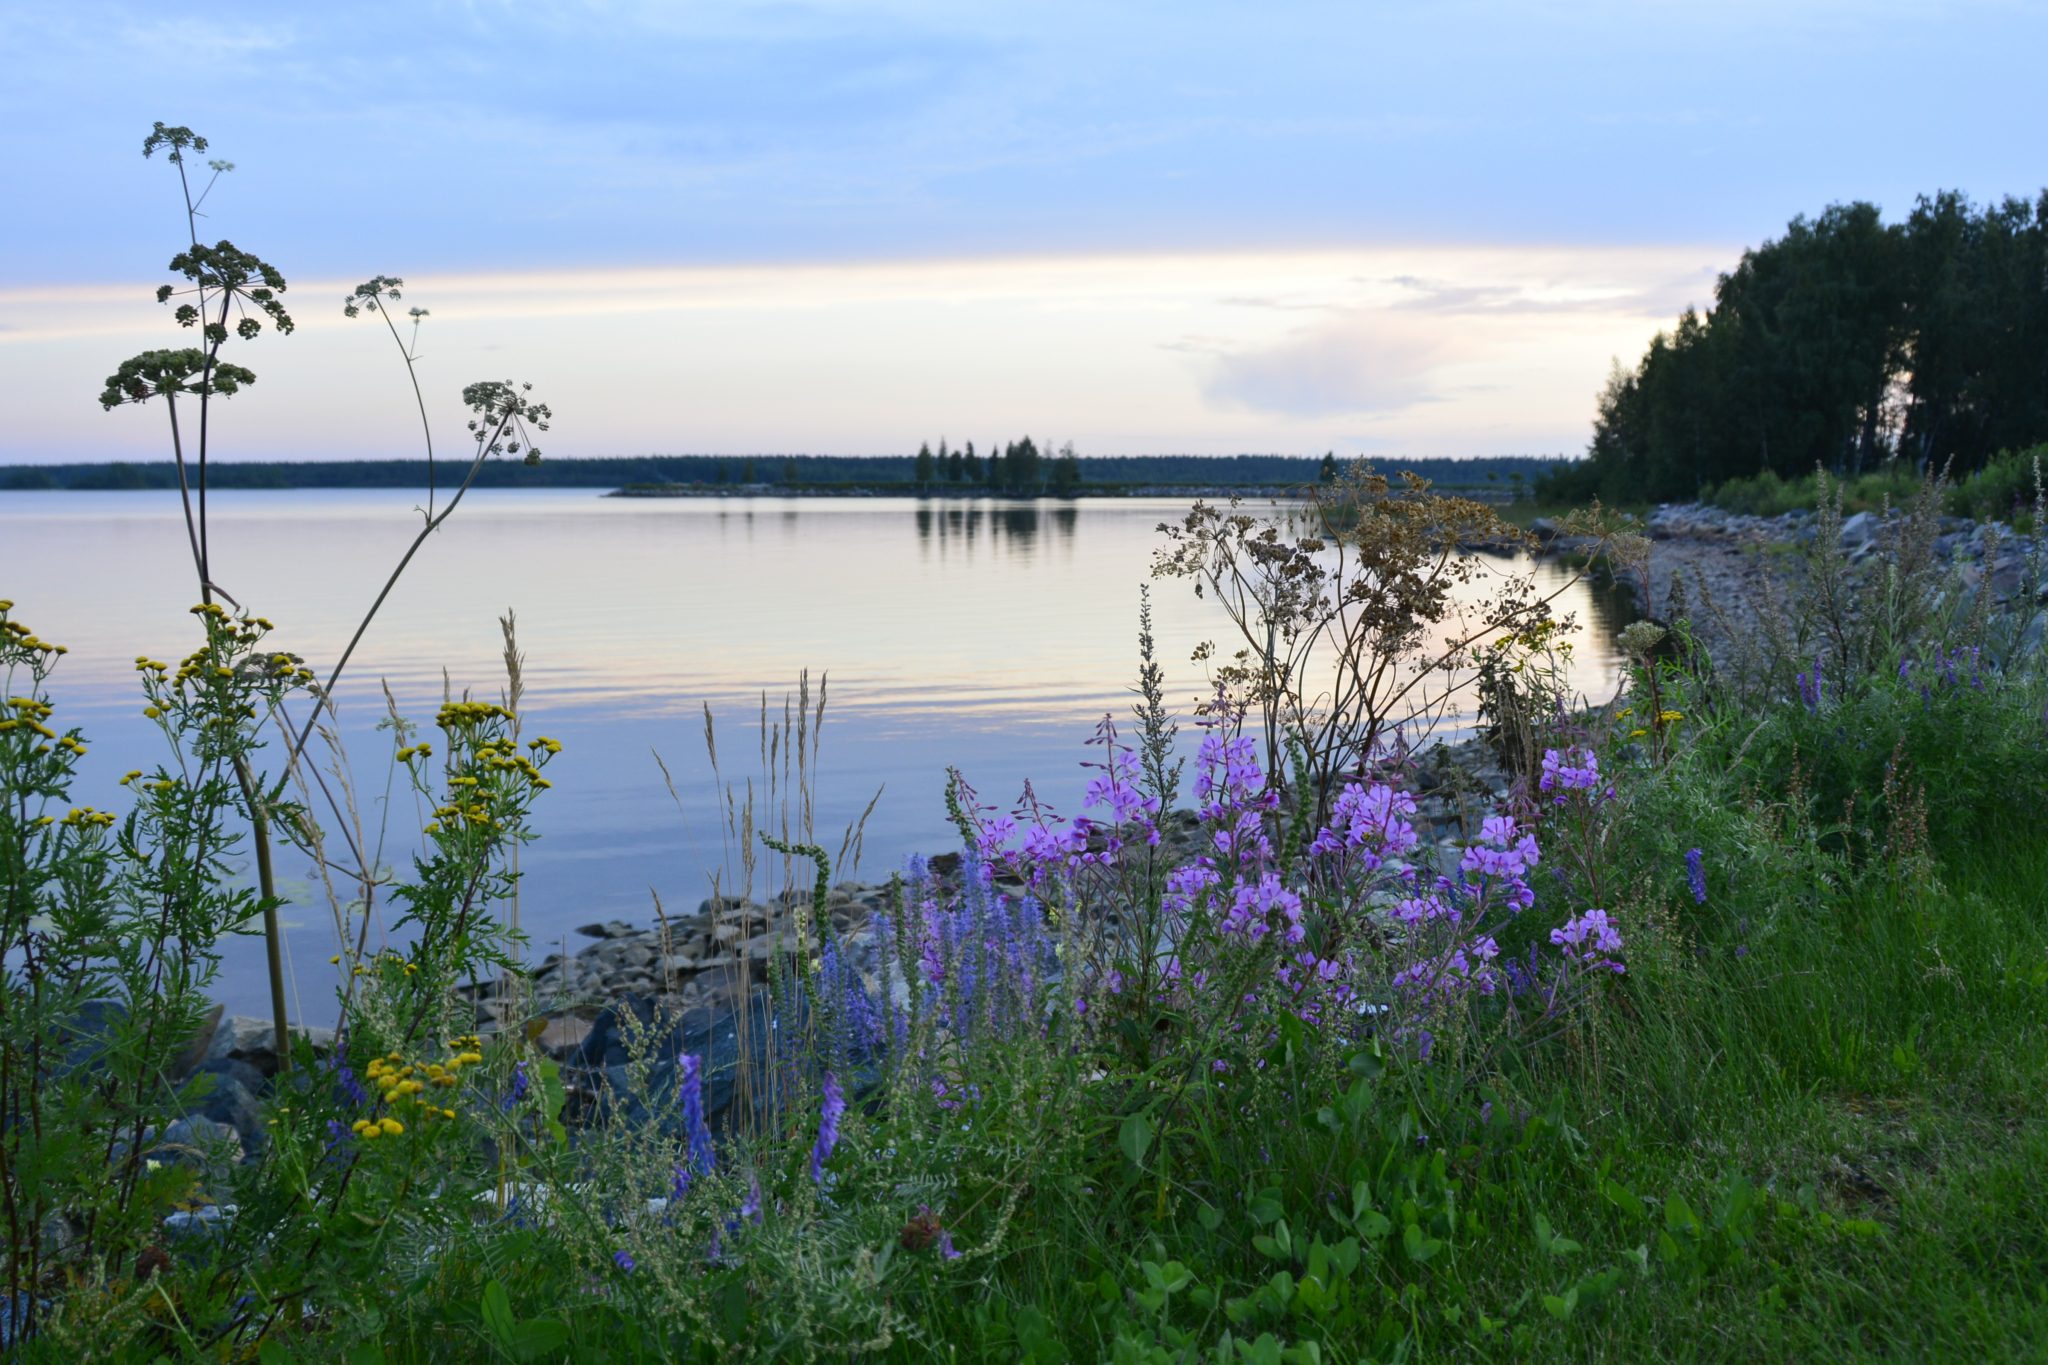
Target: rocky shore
column 1737, row 576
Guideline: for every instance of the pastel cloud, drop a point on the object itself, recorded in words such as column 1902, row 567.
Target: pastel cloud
column 1213, row 352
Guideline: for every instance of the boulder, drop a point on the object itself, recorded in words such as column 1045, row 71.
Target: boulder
column 244, row 1038
column 1860, row 529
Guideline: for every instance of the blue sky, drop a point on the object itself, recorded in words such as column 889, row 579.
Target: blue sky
column 1388, row 228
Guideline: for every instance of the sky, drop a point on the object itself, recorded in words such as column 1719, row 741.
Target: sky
column 1425, row 227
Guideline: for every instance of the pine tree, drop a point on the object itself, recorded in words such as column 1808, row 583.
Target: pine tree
column 924, row 466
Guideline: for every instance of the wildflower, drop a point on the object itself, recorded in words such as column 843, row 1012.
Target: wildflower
column 519, row 1084
column 1569, row 769
column 624, row 1261
column 1810, row 687
column 1696, row 876
column 1591, row 938
column 947, row 1251
column 1254, row 906
column 691, row 1093
column 828, row 1127
column 391, row 1126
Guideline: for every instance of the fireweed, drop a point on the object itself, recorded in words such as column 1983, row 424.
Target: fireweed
column 1344, row 927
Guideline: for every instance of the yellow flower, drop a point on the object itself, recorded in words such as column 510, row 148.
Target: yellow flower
column 1637, row 734
column 391, row 1126
column 1666, row 717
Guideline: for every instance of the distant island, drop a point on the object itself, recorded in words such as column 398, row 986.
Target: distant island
column 1016, row 469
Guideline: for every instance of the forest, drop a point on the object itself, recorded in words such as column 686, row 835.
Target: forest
column 1846, row 342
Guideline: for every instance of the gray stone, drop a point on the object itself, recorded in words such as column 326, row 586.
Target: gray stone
column 198, row 1141
column 1859, row 529
column 243, row 1038
column 233, row 1105
column 562, row 1035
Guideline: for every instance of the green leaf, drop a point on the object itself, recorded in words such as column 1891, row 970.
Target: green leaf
column 498, row 1320
column 1623, row 1199
column 1418, row 1246
column 1266, row 1207
column 1561, row 1308
column 1135, row 1138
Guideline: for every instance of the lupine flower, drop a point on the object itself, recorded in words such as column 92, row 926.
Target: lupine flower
column 1810, row 687
column 351, row 1089
column 1696, row 876
column 519, row 1084
column 691, row 1092
column 828, row 1127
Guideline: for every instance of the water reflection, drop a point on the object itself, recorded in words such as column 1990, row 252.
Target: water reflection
column 1014, row 529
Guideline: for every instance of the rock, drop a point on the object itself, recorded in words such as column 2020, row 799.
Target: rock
column 562, row 1035
column 243, row 1038
column 1860, row 529
column 233, row 1105
column 199, row 1141
column 202, row 1041
column 227, row 1068
column 88, row 1032
column 611, row 928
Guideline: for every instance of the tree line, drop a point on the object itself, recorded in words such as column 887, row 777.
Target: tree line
column 1844, row 343
column 1012, row 468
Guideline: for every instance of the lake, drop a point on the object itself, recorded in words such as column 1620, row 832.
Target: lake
column 990, row 635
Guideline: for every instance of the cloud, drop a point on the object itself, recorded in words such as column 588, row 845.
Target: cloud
column 1660, row 299
column 1359, row 365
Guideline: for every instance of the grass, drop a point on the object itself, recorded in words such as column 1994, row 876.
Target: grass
column 2004, row 489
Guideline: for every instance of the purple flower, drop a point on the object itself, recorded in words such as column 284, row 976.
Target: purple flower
column 947, row 1251
column 1569, row 769
column 1369, row 816
column 1255, row 905
column 519, row 1084
column 1810, row 687
column 1591, row 938
column 623, row 1260
column 691, row 1092
column 1696, row 876
column 351, row 1089
column 828, row 1127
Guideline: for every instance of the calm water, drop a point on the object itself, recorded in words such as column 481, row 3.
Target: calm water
column 987, row 635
